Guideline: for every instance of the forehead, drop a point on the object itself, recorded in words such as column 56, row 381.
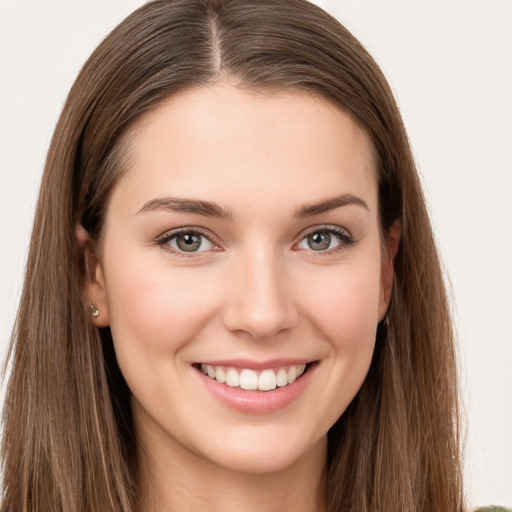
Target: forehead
column 222, row 143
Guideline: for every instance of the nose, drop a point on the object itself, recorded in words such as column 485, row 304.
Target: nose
column 261, row 302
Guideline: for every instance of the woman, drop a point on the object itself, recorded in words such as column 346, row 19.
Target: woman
column 233, row 297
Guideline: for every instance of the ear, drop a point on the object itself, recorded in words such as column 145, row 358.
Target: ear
column 95, row 293
column 391, row 244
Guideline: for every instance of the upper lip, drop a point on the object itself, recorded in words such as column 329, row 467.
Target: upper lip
column 257, row 365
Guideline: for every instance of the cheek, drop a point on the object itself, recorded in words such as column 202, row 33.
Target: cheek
column 154, row 308
column 345, row 306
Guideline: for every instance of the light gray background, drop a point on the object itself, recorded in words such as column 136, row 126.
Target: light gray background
column 449, row 63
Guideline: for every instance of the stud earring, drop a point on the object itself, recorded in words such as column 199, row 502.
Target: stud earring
column 384, row 322
column 93, row 310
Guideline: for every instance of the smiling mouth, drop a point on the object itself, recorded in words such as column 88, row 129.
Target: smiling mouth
column 248, row 379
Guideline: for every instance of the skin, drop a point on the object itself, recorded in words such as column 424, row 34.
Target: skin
column 258, row 291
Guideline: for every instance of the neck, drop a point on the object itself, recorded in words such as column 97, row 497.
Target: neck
column 175, row 479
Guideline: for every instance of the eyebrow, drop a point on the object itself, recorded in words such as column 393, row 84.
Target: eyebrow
column 206, row 208
column 210, row 209
column 330, row 204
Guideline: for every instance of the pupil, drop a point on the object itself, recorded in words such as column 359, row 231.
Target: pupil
column 189, row 243
column 319, row 241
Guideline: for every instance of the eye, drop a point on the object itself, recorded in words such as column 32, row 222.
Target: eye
column 187, row 242
column 326, row 239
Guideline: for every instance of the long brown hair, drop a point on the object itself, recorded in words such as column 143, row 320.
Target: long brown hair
column 68, row 441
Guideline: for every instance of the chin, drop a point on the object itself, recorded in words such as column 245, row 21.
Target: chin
column 266, row 453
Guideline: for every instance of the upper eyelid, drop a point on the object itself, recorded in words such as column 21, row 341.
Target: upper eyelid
column 333, row 228
column 187, row 229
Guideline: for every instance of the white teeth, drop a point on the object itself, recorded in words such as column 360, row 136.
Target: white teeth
column 232, row 378
column 267, row 380
column 292, row 374
column 220, row 375
column 248, row 379
column 282, row 377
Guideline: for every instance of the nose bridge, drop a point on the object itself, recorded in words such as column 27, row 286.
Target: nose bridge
column 260, row 300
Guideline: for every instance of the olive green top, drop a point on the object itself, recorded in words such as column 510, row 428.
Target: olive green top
column 493, row 509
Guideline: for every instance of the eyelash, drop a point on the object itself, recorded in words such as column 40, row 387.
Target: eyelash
column 346, row 240
column 163, row 240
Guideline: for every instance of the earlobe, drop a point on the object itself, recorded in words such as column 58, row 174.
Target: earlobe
column 389, row 253
column 95, row 295
column 96, row 289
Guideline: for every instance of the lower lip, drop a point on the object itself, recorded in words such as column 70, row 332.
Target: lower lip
column 258, row 401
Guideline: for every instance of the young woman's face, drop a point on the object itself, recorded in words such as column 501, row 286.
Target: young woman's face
column 243, row 241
